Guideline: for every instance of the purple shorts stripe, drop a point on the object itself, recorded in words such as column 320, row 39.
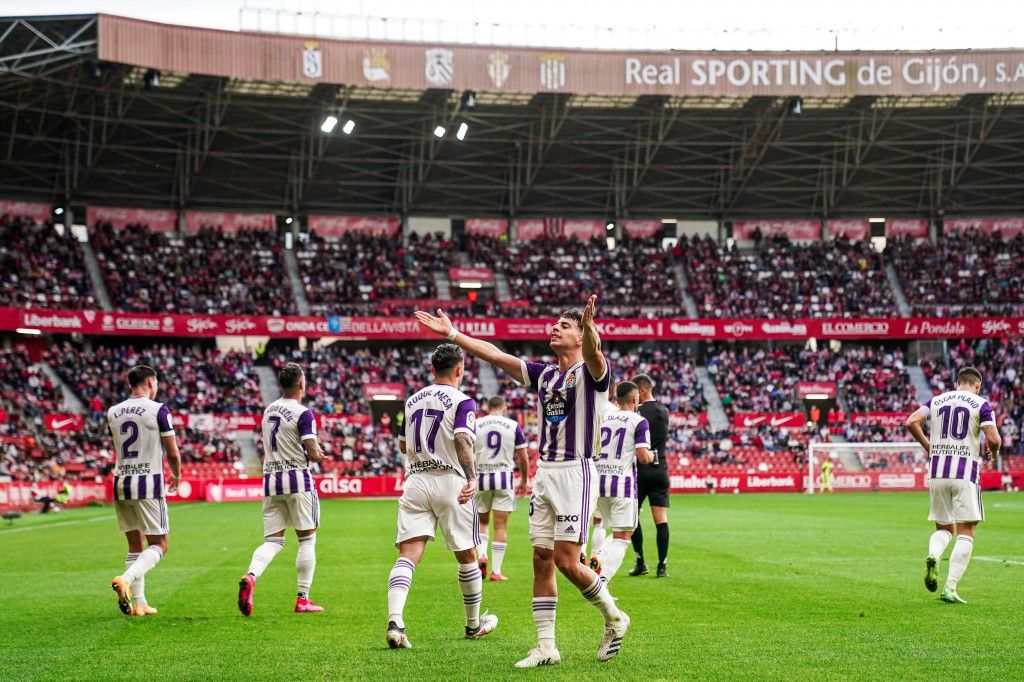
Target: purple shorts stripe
column 585, row 516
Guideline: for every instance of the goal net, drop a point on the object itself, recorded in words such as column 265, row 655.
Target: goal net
column 867, row 466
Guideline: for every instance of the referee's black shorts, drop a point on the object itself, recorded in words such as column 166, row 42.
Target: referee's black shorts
column 652, row 484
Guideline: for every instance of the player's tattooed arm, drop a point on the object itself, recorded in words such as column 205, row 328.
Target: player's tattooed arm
column 592, row 342
column 994, row 441
column 313, row 451
column 467, row 460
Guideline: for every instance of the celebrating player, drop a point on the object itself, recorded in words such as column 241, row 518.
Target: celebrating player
column 955, row 422
column 625, row 439
column 563, row 491
column 141, row 430
column 438, row 445
column 652, row 478
column 289, row 494
column 500, row 446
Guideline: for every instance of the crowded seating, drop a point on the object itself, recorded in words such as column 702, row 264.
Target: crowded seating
column 41, row 268
column 209, row 272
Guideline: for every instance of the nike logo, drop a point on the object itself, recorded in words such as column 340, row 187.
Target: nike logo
column 753, row 421
column 780, row 421
column 61, row 423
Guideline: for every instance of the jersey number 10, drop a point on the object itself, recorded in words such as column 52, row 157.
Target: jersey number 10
column 954, row 421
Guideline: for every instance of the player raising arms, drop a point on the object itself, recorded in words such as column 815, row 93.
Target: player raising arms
column 625, row 439
column 141, row 430
column 564, row 493
column 500, row 446
column 289, row 493
column 955, row 421
column 440, row 426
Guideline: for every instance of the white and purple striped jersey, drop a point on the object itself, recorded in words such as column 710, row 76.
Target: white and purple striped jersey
column 497, row 439
column 286, row 424
column 136, row 426
column 433, row 416
column 568, row 414
column 622, row 432
column 955, row 419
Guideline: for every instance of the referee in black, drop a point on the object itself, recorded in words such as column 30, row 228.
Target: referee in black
column 652, row 479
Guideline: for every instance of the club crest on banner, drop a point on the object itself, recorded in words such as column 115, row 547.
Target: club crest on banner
column 552, row 70
column 440, row 66
column 312, row 60
column 498, row 68
column 375, row 64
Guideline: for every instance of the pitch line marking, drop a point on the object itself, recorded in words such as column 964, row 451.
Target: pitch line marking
column 82, row 521
column 997, row 560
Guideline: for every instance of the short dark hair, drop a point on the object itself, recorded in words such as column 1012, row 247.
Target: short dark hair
column 574, row 314
column 495, row 402
column 968, row 375
column 644, row 381
column 139, row 373
column 445, row 357
column 623, row 390
column 289, row 376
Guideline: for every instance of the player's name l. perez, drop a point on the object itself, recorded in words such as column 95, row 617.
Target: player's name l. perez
column 440, row 394
column 272, row 467
column 134, row 469
column 131, row 409
column 612, row 469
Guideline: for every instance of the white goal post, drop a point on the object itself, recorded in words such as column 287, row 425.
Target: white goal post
column 816, row 452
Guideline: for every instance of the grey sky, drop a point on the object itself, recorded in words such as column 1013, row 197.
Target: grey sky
column 682, row 24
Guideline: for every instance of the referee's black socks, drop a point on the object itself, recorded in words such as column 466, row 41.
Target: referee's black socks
column 638, row 543
column 662, row 529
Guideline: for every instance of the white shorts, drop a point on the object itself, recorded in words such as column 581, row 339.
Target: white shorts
column 563, row 500
column 498, row 500
column 300, row 511
column 617, row 513
column 149, row 516
column 955, row 501
column 431, row 499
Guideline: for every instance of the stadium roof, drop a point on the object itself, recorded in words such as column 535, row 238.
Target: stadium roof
column 75, row 129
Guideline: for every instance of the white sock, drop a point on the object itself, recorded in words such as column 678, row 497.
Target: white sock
column 614, row 552
column 264, row 554
column 597, row 539
column 598, row 595
column 139, row 585
column 544, row 619
column 481, row 549
column 399, row 583
column 497, row 556
column 305, row 563
column 148, row 558
column 472, row 586
column 959, row 559
column 938, row 542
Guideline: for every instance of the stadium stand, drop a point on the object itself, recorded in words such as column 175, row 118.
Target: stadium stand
column 840, row 278
column 40, row 268
column 207, row 272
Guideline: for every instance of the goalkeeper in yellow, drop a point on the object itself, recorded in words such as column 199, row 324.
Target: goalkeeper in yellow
column 826, row 477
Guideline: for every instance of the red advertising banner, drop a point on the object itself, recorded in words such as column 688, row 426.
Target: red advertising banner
column 471, row 275
column 228, row 222
column 251, row 489
column 641, row 228
column 853, row 230
column 63, row 422
column 384, row 391
column 881, row 418
column 583, row 229
column 1007, row 227
column 19, row 495
column 487, row 227
column 327, row 422
column 778, row 420
column 25, row 209
column 806, row 388
column 529, row 229
column 899, row 227
column 683, row 419
column 338, row 225
column 120, row 218
column 504, row 329
column 3, row 416
column 797, row 230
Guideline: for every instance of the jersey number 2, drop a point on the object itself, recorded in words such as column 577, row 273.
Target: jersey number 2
column 126, row 453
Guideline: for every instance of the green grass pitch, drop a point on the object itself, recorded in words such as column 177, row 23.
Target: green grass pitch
column 762, row 586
